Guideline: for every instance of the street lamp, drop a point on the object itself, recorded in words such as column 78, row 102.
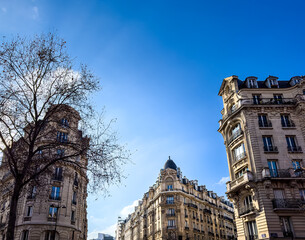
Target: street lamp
column 53, row 236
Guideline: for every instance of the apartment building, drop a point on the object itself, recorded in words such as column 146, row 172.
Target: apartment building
column 178, row 208
column 263, row 126
column 55, row 207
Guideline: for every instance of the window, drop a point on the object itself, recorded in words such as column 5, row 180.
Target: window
column 60, row 152
column 252, row 230
column 256, row 98
column 32, row 192
column 252, row 83
column 273, row 83
column 169, row 187
column 268, row 146
column 73, row 216
column 55, row 193
column 76, row 179
column 278, row 193
column 248, row 201
column 185, row 213
column 64, row 122
column 296, row 164
column 53, row 212
column 25, row 235
column 171, row 212
column 50, row 235
column 29, row 211
column 272, row 164
column 239, row 152
column 286, row 122
column 170, row 200
column 171, row 223
column 292, row 144
column 74, row 197
column 186, row 223
column 278, row 98
column 62, row 137
column 263, row 121
column 58, row 174
column 235, row 132
column 241, row 172
column 302, row 194
column 286, row 226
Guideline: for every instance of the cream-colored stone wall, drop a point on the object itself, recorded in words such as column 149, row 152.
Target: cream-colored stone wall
column 256, row 180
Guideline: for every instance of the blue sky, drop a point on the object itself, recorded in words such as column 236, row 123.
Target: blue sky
column 161, row 64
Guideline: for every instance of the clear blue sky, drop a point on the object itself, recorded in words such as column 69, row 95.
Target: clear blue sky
column 161, row 64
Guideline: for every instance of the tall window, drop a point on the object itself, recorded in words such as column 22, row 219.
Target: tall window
column 186, row 223
column 236, row 131
column 286, row 121
column 50, row 235
column 252, row 230
column 272, row 164
column 248, row 201
column 268, row 146
column 171, row 212
column 53, row 212
column 55, row 193
column 62, row 137
column 239, row 152
column 29, row 211
column 74, row 197
column 302, row 194
column 64, row 122
column 170, row 200
column 76, row 179
column 256, row 98
column 278, row 193
column 25, row 235
column 73, row 216
column 169, row 187
column 185, row 212
column 171, row 223
column 263, row 121
column 32, row 192
column 278, row 98
column 292, row 144
column 286, row 226
column 58, row 174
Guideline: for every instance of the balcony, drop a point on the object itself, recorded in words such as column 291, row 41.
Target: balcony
column 289, row 124
column 192, row 205
column 235, row 184
column 283, row 173
column 246, row 209
column 186, row 228
column 264, row 124
column 171, row 227
column 27, row 219
column 170, row 214
column 294, row 149
column 235, row 135
column 270, row 149
column 207, row 211
column 287, row 203
column 272, row 101
column 252, row 237
column 239, row 156
column 57, row 198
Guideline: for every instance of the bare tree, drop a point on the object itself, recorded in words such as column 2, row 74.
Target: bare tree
column 38, row 80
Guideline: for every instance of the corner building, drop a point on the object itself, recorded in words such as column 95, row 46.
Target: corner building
column 179, row 209
column 57, row 209
column 263, row 126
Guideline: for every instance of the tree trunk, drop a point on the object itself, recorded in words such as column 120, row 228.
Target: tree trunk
column 13, row 212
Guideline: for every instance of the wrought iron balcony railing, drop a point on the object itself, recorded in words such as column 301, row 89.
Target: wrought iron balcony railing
column 246, row 209
column 294, row 149
column 240, row 156
column 235, row 135
column 287, row 203
column 271, row 149
column 280, row 173
column 264, row 124
column 289, row 124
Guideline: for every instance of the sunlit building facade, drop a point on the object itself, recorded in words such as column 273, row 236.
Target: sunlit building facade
column 178, row 208
column 263, row 126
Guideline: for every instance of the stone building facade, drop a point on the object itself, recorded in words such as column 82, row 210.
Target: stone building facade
column 57, row 208
column 180, row 209
column 263, row 126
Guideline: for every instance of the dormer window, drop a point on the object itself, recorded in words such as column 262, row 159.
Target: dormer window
column 272, row 82
column 295, row 80
column 64, row 122
column 251, row 82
